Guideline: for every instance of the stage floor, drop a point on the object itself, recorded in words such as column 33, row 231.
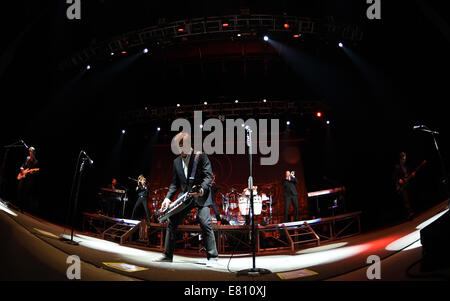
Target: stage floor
column 32, row 250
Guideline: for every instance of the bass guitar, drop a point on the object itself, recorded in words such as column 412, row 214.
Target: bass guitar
column 401, row 184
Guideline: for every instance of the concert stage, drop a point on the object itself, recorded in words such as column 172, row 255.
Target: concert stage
column 32, row 249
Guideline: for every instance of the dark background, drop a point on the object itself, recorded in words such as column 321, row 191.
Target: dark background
column 373, row 106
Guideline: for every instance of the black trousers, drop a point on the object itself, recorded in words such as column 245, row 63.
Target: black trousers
column 204, row 218
column 288, row 198
column 143, row 201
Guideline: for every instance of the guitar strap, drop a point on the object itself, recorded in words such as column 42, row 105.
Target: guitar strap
column 194, row 169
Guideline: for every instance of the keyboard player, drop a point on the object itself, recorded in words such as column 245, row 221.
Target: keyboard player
column 113, row 197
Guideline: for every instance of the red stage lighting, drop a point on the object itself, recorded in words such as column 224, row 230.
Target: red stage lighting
column 225, row 25
column 123, row 52
column 180, row 29
column 286, row 25
column 296, row 36
column 319, row 114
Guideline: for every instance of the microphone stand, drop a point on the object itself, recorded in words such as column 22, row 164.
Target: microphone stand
column 73, row 209
column 444, row 173
column 252, row 271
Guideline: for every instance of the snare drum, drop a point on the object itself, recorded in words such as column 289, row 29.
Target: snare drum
column 244, row 205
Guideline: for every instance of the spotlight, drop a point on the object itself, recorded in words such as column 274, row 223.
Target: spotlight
column 266, row 38
column 264, row 100
column 180, row 29
column 225, row 25
column 238, row 34
column 112, row 53
column 236, row 101
column 205, row 103
column 124, row 52
column 88, row 67
column 296, row 35
column 328, row 122
column 123, row 131
column 178, row 105
column 158, row 129
column 288, row 122
column 286, row 25
column 319, row 114
column 340, row 44
column 145, row 50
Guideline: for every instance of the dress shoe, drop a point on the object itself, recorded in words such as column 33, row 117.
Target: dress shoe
column 163, row 258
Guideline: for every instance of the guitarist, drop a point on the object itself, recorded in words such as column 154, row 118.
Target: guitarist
column 182, row 167
column 401, row 172
column 26, row 180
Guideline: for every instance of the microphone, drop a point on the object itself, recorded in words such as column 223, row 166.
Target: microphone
column 24, row 144
column 90, row 160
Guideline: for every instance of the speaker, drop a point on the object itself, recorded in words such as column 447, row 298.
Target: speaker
column 435, row 240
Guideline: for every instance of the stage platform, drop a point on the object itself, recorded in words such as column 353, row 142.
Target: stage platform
column 32, row 249
column 271, row 239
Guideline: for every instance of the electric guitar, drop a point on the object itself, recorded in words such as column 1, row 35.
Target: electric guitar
column 400, row 186
column 23, row 173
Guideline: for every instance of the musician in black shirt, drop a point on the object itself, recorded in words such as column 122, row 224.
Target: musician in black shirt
column 401, row 172
column 27, row 178
column 290, row 194
column 142, row 191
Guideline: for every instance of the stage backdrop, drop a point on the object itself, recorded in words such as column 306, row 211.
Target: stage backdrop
column 232, row 171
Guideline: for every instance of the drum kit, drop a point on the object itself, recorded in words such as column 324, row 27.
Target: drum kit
column 234, row 206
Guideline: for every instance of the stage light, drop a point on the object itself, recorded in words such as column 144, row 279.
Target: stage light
column 288, row 122
column 328, row 122
column 123, row 131
column 88, row 67
column 236, row 101
column 158, row 129
column 180, row 29
column 145, row 50
column 238, row 34
column 296, row 36
column 266, row 38
column 124, row 52
column 178, row 105
column 225, row 25
column 146, row 108
column 264, row 100
column 205, row 103
column 319, row 114
column 286, row 25
column 112, row 53
column 340, row 44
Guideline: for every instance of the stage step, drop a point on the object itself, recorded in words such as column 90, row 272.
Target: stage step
column 120, row 232
column 301, row 231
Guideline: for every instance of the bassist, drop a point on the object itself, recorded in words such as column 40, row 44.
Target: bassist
column 401, row 173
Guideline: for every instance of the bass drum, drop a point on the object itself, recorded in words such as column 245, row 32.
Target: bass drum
column 244, row 205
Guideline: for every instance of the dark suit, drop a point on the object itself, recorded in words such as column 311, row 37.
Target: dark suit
column 290, row 195
column 203, row 178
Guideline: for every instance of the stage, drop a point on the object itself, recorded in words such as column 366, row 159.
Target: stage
column 32, row 249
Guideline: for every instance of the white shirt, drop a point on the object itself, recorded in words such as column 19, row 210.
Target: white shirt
column 185, row 163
